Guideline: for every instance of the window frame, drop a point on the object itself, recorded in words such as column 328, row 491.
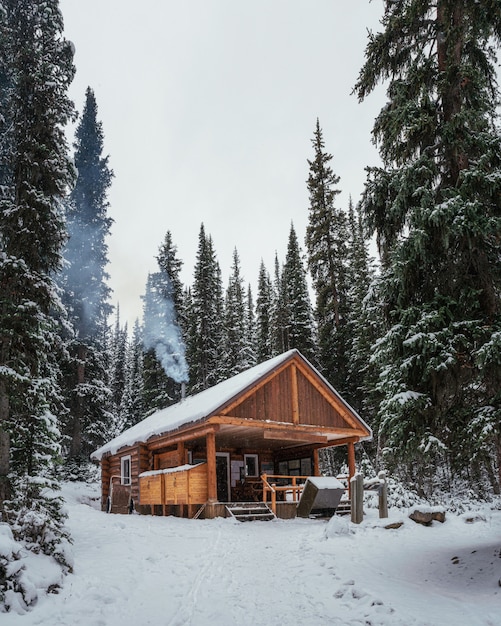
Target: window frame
column 126, row 462
column 255, row 458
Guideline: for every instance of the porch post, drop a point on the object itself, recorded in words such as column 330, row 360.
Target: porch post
column 351, row 462
column 210, row 439
column 316, row 462
column 181, row 455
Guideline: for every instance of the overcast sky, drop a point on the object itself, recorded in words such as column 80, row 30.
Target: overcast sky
column 208, row 110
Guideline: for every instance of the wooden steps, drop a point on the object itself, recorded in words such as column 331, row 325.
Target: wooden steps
column 344, row 508
column 250, row 511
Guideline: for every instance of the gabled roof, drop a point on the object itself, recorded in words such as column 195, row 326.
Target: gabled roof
column 212, row 401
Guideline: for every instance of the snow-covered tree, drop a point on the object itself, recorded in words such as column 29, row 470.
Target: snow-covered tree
column 133, row 396
column 363, row 324
column 85, row 290
column 327, row 247
column 279, row 331
column 435, row 205
column 250, row 329
column 299, row 329
column 205, row 347
column 117, row 349
column 164, row 367
column 32, row 234
column 237, row 357
column 264, row 302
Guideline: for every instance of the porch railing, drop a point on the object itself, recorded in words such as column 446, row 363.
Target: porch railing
column 292, row 487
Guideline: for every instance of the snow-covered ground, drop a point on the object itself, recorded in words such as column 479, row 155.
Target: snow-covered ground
column 139, row 570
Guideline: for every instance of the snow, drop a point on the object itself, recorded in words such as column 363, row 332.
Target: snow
column 326, row 482
column 133, row 569
column 195, row 408
column 170, row 470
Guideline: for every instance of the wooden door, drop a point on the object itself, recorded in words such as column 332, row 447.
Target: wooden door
column 223, row 476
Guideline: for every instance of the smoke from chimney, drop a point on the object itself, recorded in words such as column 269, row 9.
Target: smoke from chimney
column 161, row 330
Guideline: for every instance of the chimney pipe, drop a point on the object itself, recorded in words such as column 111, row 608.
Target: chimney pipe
column 183, row 391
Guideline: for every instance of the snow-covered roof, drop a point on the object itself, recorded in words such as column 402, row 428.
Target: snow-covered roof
column 195, row 408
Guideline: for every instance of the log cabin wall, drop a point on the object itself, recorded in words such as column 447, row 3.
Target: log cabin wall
column 111, row 467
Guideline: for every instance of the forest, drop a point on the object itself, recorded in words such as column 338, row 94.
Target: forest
column 411, row 340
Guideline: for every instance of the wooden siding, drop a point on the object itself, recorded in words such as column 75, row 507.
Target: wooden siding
column 173, row 488
column 150, row 489
column 291, row 397
column 314, row 408
column 166, row 460
column 271, row 401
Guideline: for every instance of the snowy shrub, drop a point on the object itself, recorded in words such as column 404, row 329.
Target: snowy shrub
column 40, row 532
column 76, row 470
column 16, row 592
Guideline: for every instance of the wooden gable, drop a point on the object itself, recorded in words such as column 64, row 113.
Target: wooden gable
column 294, row 394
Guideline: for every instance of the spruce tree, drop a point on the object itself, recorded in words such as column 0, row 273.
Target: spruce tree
column 236, row 349
column 363, row 322
column 164, row 366
column 264, row 301
column 118, row 382
column 133, row 397
column 326, row 244
column 32, row 234
column 205, row 347
column 279, row 331
column 435, row 205
column 250, row 330
column 85, row 289
column 296, row 300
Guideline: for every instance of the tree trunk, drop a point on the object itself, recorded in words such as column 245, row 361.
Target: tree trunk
column 78, row 406
column 450, row 23
column 5, row 487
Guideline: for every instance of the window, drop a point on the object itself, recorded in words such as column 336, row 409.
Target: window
column 125, row 466
column 251, row 465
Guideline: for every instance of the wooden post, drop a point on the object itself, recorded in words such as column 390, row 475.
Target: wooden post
column 274, row 500
column 180, row 453
column 383, row 495
column 316, row 462
column 210, row 439
column 351, row 464
column 357, row 498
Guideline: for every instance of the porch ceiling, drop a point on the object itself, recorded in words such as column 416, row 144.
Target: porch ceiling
column 231, row 436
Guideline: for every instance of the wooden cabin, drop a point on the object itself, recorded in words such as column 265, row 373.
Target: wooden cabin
column 233, row 442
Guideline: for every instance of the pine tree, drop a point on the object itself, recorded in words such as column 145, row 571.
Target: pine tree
column 279, row 331
column 133, row 397
column 250, row 330
column 205, row 334
column 33, row 232
column 326, row 243
column 296, row 299
column 363, row 322
column 236, row 357
column 165, row 367
column 86, row 293
column 435, row 205
column 118, row 375
column 264, row 301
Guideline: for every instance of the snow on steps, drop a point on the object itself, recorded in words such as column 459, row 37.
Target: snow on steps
column 250, row 511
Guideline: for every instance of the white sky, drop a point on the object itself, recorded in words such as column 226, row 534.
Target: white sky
column 208, row 110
